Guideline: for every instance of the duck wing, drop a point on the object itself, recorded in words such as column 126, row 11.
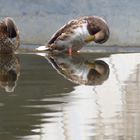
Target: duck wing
column 64, row 31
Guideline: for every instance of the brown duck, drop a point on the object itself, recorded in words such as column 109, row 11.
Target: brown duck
column 78, row 33
column 9, row 36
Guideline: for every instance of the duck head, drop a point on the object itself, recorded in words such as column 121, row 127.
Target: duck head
column 98, row 30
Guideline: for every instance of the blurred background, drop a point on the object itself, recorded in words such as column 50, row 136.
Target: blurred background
column 38, row 20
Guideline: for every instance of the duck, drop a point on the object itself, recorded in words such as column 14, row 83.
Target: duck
column 9, row 36
column 78, row 33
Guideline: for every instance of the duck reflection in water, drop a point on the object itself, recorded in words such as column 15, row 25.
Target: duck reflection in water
column 9, row 71
column 79, row 70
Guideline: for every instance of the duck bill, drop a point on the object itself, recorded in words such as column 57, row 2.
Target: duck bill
column 90, row 65
column 90, row 39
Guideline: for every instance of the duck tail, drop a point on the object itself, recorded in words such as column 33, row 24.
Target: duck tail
column 42, row 48
column 11, row 27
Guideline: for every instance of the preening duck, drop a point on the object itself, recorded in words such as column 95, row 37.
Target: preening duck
column 78, row 33
column 9, row 36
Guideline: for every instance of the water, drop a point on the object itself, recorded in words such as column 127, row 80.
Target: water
column 45, row 99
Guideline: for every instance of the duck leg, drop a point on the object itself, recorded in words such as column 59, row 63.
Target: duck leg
column 70, row 51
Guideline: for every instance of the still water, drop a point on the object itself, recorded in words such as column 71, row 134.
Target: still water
column 82, row 97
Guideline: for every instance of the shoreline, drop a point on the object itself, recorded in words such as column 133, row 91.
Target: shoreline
column 87, row 49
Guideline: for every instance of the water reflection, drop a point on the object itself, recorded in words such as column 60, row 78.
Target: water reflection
column 9, row 71
column 46, row 106
column 99, row 112
column 79, row 69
